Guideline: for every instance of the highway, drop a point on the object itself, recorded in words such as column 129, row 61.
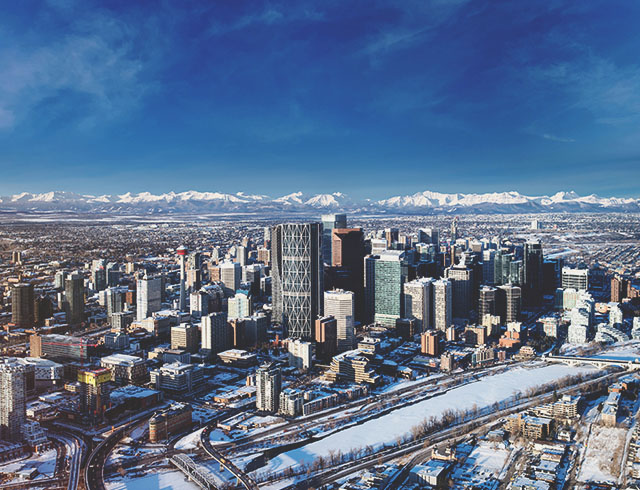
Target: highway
column 243, row 478
column 75, row 449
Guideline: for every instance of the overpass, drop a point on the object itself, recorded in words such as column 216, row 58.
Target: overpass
column 599, row 362
column 194, row 472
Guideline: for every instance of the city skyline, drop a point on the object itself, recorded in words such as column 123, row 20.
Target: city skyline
column 266, row 98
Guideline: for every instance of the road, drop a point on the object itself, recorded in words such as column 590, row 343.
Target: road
column 75, row 449
column 243, row 478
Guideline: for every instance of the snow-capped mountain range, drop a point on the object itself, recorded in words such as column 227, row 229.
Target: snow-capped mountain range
column 426, row 202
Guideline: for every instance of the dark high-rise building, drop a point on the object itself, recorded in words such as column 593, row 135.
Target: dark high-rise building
column 486, row 302
column 326, row 337
column 533, row 273
column 507, row 270
column 391, row 235
column 329, row 223
column 99, row 278
column 429, row 235
column 74, row 298
column 297, row 277
column 22, row 305
column 461, row 278
column 43, row 309
column 618, row 289
column 348, row 265
column 508, row 303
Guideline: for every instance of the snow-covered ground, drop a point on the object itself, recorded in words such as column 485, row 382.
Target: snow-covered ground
column 605, row 448
column 45, row 463
column 489, row 456
column 159, row 480
column 189, row 441
column 388, row 428
column 218, row 436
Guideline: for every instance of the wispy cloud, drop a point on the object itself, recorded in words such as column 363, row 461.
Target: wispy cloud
column 271, row 15
column 100, row 57
column 559, row 139
column 610, row 92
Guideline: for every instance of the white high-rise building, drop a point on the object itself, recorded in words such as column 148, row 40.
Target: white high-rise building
column 442, row 304
column 616, row 317
column 215, row 332
column 182, row 252
column 199, row 303
column 239, row 306
column 148, row 296
column 339, row 304
column 417, row 302
column 269, row 385
column 378, row 245
column 575, row 278
column 300, row 354
column 230, row 276
column 12, row 399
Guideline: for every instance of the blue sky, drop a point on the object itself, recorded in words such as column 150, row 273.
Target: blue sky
column 371, row 98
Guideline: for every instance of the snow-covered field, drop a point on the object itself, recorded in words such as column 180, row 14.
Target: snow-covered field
column 160, row 480
column 189, row 441
column 218, row 436
column 490, row 457
column 388, row 428
column 45, row 463
column 605, row 448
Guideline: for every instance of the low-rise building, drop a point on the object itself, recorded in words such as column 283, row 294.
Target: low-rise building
column 173, row 420
column 530, row 426
column 177, row 377
column 126, row 369
column 238, row 358
column 291, row 402
column 351, row 366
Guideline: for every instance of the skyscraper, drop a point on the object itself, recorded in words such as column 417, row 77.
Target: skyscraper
column 347, row 265
column 533, row 279
column 508, row 303
column 230, row 277
column 182, row 252
column 461, row 279
column 429, row 235
column 297, row 277
column 148, row 296
column 488, row 266
column 329, row 223
column 577, row 279
column 417, row 302
column 185, row 336
column 215, row 332
column 486, row 302
column 12, row 399
column 340, row 305
column 239, row 306
column 74, row 298
column 269, row 385
column 454, row 229
column 507, row 270
column 387, row 286
column 326, row 337
column 22, row 305
column 442, row 307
